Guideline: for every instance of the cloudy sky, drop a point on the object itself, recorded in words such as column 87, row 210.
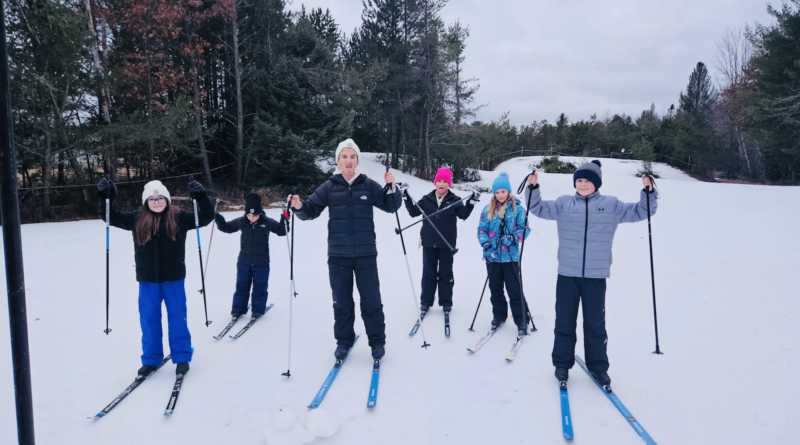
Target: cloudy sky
column 539, row 58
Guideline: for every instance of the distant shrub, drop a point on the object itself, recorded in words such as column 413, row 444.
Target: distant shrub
column 553, row 164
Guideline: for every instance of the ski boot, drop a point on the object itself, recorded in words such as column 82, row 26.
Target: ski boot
column 562, row 374
column 378, row 351
column 182, row 368
column 341, row 352
column 144, row 371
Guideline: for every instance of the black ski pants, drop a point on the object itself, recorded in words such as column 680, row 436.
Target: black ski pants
column 365, row 269
column 591, row 294
column 437, row 271
column 505, row 274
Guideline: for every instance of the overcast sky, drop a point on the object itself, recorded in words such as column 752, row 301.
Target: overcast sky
column 539, row 58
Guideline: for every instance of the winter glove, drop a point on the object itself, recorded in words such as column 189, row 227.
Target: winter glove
column 105, row 188
column 406, row 196
column 195, row 189
column 219, row 219
column 490, row 255
column 474, row 198
column 507, row 240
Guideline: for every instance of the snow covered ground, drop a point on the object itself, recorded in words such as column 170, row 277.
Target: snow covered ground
column 726, row 262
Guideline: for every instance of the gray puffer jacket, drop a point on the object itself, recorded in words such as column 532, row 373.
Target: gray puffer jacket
column 586, row 227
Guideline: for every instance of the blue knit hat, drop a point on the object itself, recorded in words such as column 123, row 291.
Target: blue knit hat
column 591, row 172
column 501, row 182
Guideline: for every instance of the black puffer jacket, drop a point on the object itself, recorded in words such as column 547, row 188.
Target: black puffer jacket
column 351, row 229
column 445, row 221
column 254, row 242
column 162, row 258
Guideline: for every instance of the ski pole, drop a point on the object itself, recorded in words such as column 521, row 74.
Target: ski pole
column 416, row 204
column 652, row 269
column 398, row 230
column 425, row 344
column 108, row 223
column 489, row 272
column 210, row 239
column 200, row 253
column 292, row 290
column 481, row 299
column 525, row 310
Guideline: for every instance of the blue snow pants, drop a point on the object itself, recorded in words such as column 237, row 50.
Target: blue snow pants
column 173, row 295
column 259, row 277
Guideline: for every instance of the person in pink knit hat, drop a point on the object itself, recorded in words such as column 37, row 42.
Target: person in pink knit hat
column 437, row 258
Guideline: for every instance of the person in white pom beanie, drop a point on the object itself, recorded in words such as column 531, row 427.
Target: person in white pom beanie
column 159, row 247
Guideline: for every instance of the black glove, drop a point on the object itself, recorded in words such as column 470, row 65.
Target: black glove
column 195, row 189
column 406, row 195
column 105, row 188
column 219, row 219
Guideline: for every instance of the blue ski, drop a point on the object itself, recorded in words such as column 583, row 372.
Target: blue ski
column 326, row 385
column 373, row 386
column 418, row 323
column 252, row 321
column 566, row 417
column 128, row 390
column 618, row 403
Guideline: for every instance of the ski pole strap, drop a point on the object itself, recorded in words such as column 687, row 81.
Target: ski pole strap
column 521, row 187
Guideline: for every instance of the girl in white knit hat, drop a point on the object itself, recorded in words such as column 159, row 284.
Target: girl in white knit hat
column 159, row 246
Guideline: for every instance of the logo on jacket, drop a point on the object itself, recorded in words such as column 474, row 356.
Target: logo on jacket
column 601, row 209
column 364, row 197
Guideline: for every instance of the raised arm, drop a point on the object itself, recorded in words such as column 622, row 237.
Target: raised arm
column 121, row 220
column 314, row 205
column 388, row 202
column 227, row 227
column 277, row 227
column 637, row 211
column 542, row 209
column 413, row 211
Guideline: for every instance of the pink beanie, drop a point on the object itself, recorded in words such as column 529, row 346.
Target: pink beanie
column 444, row 174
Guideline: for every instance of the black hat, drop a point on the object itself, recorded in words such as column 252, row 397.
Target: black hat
column 252, row 204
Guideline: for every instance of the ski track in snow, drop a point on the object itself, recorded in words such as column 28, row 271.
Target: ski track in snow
column 726, row 258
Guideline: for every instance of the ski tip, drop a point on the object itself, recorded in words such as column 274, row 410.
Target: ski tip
column 98, row 416
column 233, row 337
column 371, row 405
column 168, row 412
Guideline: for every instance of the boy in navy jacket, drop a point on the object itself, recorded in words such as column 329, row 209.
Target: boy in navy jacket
column 252, row 266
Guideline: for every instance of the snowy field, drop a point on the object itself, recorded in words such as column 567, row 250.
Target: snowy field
column 726, row 262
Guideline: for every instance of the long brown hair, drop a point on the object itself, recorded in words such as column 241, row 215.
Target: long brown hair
column 148, row 222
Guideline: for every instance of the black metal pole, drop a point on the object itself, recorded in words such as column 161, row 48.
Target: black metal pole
column 425, row 218
column 12, row 246
column 525, row 309
column 479, row 302
column 292, row 290
column 108, row 259
column 200, row 253
column 652, row 269
column 386, row 189
column 398, row 230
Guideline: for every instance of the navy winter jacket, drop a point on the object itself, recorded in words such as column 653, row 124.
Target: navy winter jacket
column 162, row 258
column 351, row 229
column 445, row 221
column 586, row 227
column 254, row 241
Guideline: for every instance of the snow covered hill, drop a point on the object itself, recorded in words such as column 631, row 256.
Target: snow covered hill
column 726, row 263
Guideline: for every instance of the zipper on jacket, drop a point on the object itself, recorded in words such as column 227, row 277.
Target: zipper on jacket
column 352, row 220
column 585, row 237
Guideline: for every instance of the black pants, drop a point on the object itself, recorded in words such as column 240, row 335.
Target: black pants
column 569, row 292
column 365, row 269
column 437, row 271
column 501, row 274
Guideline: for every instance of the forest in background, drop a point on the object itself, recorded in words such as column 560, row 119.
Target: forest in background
column 248, row 95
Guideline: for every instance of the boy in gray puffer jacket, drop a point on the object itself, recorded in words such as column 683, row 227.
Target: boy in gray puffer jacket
column 586, row 222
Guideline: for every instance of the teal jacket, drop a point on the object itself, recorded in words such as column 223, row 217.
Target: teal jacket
column 501, row 237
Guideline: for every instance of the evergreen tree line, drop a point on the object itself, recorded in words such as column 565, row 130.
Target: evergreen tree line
column 252, row 95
